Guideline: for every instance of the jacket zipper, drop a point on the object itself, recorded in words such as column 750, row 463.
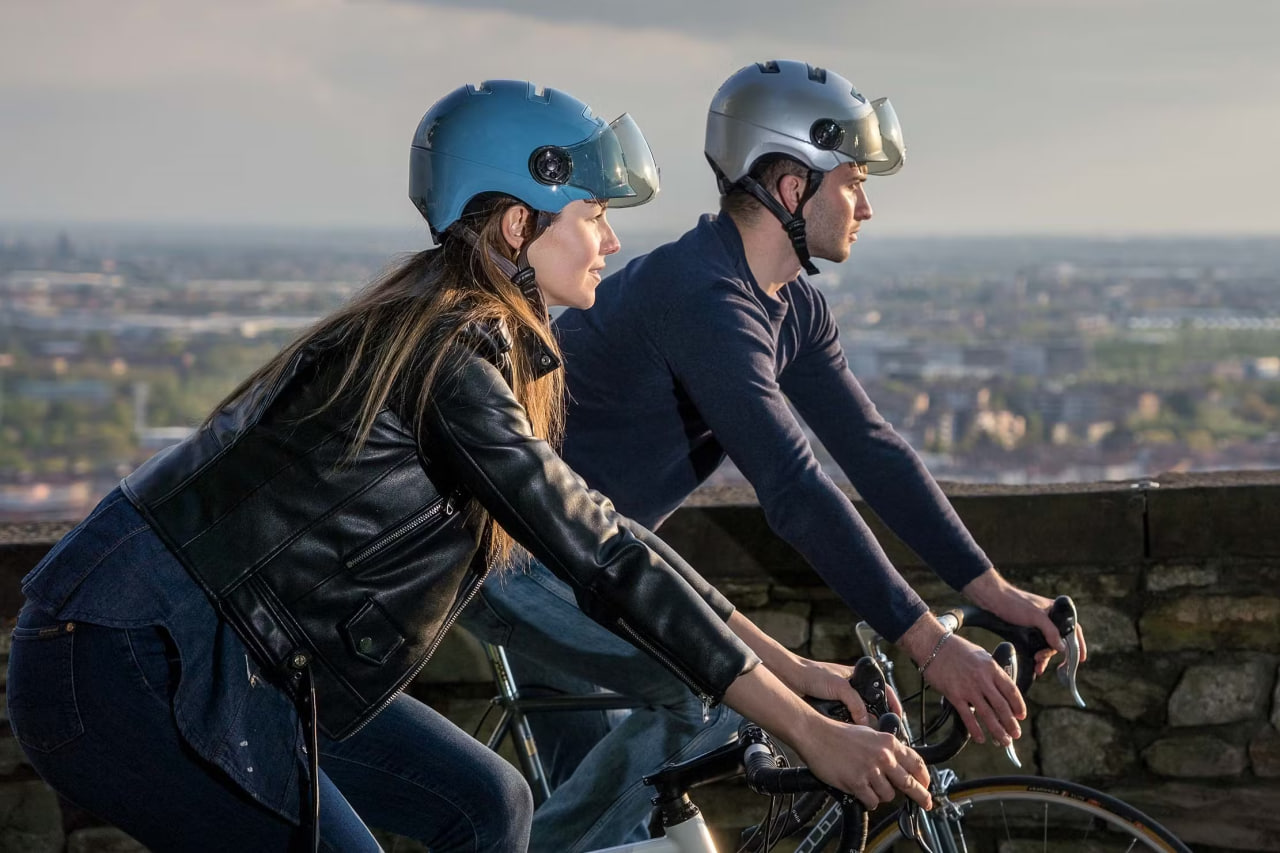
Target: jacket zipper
column 444, row 629
column 707, row 702
column 442, row 504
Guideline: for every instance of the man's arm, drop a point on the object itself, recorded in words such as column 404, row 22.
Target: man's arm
column 882, row 466
column 889, row 475
column 718, row 345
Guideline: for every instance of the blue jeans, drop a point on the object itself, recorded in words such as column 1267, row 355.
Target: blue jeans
column 92, row 709
column 600, row 800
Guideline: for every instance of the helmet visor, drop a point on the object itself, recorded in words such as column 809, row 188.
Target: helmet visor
column 615, row 164
column 892, row 145
column 874, row 138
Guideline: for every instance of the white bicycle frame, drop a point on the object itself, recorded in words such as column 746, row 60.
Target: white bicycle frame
column 691, row 836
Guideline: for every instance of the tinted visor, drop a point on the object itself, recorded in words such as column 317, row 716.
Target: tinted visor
column 615, row 164
column 874, row 139
column 892, row 145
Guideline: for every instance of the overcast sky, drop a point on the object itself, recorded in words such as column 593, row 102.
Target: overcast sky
column 1100, row 117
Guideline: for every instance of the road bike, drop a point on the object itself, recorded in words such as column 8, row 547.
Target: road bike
column 999, row 814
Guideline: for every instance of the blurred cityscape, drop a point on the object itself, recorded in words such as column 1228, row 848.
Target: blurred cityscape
column 1009, row 360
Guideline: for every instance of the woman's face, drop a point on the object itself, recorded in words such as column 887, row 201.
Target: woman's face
column 569, row 256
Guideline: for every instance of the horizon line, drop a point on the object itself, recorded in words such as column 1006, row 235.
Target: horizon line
column 387, row 229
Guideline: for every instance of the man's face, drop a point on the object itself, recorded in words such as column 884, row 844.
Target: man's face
column 836, row 212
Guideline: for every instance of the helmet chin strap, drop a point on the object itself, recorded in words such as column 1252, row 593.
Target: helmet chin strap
column 521, row 274
column 792, row 223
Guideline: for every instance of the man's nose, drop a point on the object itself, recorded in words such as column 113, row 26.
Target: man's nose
column 862, row 212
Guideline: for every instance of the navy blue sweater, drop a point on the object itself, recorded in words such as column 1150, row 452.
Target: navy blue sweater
column 684, row 358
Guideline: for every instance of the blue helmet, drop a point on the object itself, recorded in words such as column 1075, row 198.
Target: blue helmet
column 541, row 146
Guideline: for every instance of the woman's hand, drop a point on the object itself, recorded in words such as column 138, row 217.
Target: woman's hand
column 868, row 764
column 817, row 679
column 822, row 680
column 872, row 766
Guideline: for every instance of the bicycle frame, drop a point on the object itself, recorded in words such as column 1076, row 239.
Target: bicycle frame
column 513, row 720
column 691, row 836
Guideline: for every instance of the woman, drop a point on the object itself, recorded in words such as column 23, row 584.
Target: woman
column 294, row 563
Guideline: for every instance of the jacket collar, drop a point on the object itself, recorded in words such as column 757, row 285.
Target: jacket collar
column 492, row 339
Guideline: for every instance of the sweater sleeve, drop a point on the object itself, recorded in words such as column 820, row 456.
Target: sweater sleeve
column 718, row 344
column 881, row 465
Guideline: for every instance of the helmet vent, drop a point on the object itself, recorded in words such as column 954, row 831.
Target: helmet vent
column 816, row 74
column 770, row 67
column 551, row 165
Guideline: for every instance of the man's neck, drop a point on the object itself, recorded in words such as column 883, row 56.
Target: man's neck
column 770, row 256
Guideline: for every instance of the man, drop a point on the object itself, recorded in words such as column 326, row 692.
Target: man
column 691, row 353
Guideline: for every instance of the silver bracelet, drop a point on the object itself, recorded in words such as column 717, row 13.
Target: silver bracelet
column 937, row 648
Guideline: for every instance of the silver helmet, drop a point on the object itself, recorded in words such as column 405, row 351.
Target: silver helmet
column 802, row 111
column 809, row 114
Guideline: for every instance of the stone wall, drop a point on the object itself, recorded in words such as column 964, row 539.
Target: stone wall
column 1178, row 586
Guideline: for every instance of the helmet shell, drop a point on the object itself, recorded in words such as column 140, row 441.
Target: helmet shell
column 784, row 107
column 481, row 139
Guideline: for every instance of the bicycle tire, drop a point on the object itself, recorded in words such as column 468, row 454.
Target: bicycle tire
column 1012, row 814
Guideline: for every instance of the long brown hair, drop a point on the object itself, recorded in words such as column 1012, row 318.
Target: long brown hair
column 400, row 331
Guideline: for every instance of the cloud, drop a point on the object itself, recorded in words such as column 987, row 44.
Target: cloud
column 294, row 112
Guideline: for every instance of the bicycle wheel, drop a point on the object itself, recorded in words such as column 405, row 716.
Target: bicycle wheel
column 1021, row 814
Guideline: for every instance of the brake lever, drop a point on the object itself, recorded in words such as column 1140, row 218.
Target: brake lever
column 909, row 813
column 1007, row 660
column 1063, row 616
column 869, row 682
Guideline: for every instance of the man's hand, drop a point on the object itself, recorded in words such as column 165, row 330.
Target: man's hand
column 1016, row 606
column 980, row 690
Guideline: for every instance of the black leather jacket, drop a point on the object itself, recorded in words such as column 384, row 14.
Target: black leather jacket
column 354, row 569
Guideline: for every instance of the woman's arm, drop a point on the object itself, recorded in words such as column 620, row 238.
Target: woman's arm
column 475, row 430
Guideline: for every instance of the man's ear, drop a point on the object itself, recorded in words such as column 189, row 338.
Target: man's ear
column 515, row 224
column 790, row 191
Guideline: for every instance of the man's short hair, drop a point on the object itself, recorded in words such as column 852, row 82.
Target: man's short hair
column 768, row 170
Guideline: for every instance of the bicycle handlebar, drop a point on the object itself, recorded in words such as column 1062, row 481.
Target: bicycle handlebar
column 869, row 681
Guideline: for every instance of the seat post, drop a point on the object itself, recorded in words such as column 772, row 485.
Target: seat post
column 514, row 719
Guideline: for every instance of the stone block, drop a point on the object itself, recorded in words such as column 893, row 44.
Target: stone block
column 1213, row 694
column 11, row 755
column 1129, row 695
column 1195, row 756
column 1264, row 753
column 745, row 595
column 1087, row 583
column 1178, row 575
column 989, row 759
column 824, row 594
column 787, row 623
column 1106, row 629
column 1080, row 745
column 1275, row 703
column 1213, row 521
column 833, row 640
column 102, row 839
column 30, row 819
column 1237, row 817
column 1212, row 623
column 1036, row 527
